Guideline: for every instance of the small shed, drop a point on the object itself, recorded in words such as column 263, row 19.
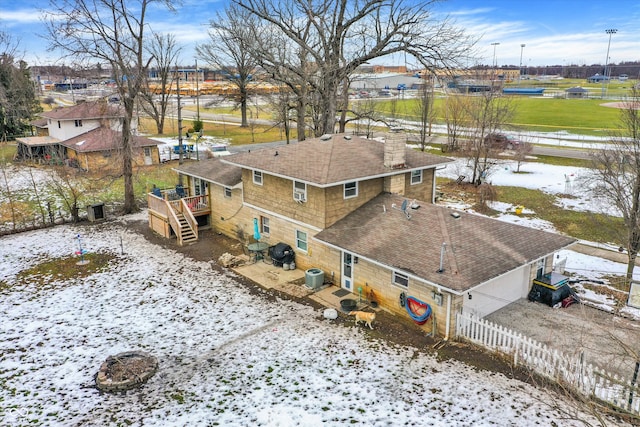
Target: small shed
column 39, row 149
column 577, row 92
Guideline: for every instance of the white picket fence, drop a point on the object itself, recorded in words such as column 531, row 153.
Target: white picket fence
column 573, row 372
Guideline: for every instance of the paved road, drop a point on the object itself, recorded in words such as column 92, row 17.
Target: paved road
column 542, row 150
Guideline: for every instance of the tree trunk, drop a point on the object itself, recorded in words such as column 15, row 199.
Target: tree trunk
column 300, row 119
column 127, row 158
column 243, row 107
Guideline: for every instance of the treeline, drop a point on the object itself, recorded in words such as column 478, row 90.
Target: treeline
column 574, row 71
column 18, row 97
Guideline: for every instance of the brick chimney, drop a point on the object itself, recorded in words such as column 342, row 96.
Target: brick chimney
column 395, row 152
column 395, row 149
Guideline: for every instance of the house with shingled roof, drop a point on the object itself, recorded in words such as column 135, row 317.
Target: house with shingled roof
column 363, row 212
column 84, row 135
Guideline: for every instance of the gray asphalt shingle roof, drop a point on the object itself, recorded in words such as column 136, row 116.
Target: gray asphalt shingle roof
column 477, row 248
column 103, row 139
column 213, row 170
column 84, row 111
column 330, row 162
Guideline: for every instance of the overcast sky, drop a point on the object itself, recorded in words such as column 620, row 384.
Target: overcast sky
column 554, row 32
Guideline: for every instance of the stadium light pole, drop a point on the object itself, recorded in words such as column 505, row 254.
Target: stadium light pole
column 611, row 32
column 494, row 44
column 520, row 69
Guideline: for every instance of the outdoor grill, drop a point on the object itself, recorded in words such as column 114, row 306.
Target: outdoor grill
column 281, row 254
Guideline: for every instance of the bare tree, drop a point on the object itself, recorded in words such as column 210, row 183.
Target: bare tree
column 616, row 175
column 338, row 36
column 488, row 112
column 425, row 111
column 455, row 115
column 521, row 151
column 282, row 104
column 289, row 67
column 230, row 35
column 111, row 31
column 155, row 97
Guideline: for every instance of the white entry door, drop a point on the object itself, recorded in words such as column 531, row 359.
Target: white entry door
column 347, row 271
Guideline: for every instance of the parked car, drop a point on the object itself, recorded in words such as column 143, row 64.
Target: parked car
column 219, row 150
column 501, row 141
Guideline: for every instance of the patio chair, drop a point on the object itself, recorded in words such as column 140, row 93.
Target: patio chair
column 180, row 191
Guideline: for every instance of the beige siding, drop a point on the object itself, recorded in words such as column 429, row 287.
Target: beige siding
column 109, row 160
column 337, row 207
column 372, row 277
column 276, row 195
column 422, row 191
column 228, row 216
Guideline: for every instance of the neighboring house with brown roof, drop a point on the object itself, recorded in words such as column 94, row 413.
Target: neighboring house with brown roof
column 338, row 202
column 98, row 148
column 67, row 122
column 86, row 135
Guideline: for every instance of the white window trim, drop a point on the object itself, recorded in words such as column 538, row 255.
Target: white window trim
column 306, row 241
column 227, row 192
column 299, row 194
column 395, row 275
column 420, row 178
column 344, row 190
column 265, row 230
column 257, row 177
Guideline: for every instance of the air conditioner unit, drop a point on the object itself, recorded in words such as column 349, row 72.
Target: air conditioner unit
column 299, row 196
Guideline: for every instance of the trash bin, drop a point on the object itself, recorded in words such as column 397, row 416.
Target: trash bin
column 314, row 278
column 519, row 210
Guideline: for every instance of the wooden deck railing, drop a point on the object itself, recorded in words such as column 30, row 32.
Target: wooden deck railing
column 188, row 215
column 170, row 209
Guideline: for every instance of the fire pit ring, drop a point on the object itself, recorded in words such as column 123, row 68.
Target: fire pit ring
column 126, row 371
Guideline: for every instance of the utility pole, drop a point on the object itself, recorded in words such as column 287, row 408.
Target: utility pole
column 180, row 154
column 611, row 32
column 197, row 94
column 520, row 69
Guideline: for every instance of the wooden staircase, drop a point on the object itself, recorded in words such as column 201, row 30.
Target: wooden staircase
column 186, row 233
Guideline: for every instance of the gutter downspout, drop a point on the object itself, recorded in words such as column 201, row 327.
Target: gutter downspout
column 448, row 325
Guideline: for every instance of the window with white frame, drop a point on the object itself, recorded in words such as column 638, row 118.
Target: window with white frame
column 416, row 177
column 350, row 190
column 257, row 177
column 301, row 240
column 78, row 123
column 299, row 191
column 264, row 225
column 227, row 192
column 400, row 279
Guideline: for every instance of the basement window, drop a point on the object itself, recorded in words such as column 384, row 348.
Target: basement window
column 400, row 279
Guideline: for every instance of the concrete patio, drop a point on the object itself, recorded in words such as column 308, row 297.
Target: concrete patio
column 292, row 282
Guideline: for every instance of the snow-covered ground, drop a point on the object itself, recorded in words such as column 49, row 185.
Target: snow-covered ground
column 559, row 181
column 226, row 357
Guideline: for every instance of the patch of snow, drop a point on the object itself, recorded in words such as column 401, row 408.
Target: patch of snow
column 227, row 357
